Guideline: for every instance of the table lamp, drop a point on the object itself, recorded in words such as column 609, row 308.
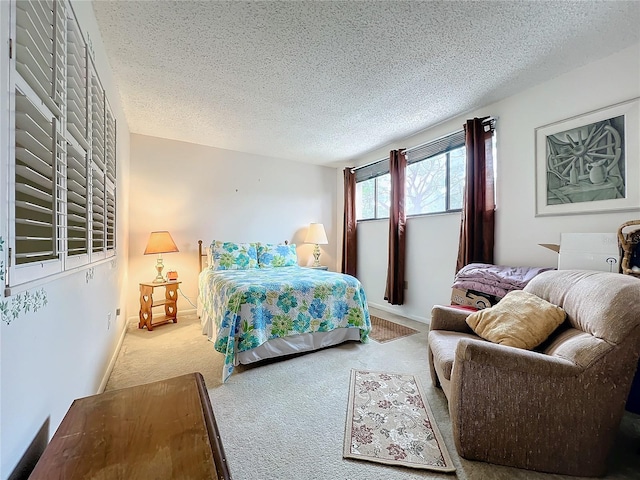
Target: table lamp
column 160, row 242
column 317, row 235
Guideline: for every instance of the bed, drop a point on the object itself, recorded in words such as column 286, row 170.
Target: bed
column 255, row 302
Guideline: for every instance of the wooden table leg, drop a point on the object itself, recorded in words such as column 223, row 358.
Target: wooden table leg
column 171, row 307
column 146, row 302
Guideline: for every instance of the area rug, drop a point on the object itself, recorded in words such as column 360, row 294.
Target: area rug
column 383, row 331
column 389, row 422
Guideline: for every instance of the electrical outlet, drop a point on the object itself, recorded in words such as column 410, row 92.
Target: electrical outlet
column 117, row 312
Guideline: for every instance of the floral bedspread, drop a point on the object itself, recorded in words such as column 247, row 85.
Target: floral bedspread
column 245, row 308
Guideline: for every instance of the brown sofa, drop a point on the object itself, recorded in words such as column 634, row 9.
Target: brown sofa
column 554, row 409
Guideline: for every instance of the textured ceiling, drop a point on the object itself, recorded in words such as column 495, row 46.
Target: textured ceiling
column 326, row 81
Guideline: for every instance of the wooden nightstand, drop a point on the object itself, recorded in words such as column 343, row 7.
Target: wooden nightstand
column 170, row 302
column 321, row 267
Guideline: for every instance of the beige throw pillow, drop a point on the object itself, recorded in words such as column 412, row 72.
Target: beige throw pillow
column 520, row 319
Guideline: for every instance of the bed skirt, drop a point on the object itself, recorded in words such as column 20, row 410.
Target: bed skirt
column 305, row 342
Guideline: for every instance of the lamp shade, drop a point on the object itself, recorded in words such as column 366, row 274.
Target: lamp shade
column 160, row 242
column 316, row 234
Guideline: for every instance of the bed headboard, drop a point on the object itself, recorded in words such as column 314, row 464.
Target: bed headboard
column 202, row 255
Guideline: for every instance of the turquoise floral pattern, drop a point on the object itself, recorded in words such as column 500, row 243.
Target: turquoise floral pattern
column 282, row 255
column 249, row 307
column 233, row 256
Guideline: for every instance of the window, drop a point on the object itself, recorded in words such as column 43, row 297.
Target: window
column 62, row 168
column 434, row 180
column 373, row 197
column 436, row 184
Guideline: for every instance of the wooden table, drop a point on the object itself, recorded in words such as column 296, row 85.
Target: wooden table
column 170, row 302
column 161, row 430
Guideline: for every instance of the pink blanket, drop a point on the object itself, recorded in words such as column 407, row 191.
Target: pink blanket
column 495, row 280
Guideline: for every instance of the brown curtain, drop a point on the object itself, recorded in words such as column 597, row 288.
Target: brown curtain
column 394, row 292
column 349, row 239
column 478, row 210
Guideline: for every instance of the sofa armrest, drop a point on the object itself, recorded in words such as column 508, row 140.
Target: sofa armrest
column 449, row 318
column 512, row 361
column 522, row 408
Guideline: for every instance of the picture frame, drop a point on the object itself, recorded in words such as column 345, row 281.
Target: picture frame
column 589, row 163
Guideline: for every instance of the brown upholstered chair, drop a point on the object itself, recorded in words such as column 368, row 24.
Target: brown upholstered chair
column 555, row 409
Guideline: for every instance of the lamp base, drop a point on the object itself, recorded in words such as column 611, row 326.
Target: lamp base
column 159, row 266
column 316, row 256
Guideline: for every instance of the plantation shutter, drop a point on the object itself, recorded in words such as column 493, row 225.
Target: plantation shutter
column 77, row 224
column 77, row 228
column 62, row 169
column 110, row 187
column 40, row 43
column 97, row 166
column 39, row 153
column 34, row 190
column 76, row 84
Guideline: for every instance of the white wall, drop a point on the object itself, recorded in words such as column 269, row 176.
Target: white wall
column 203, row 193
column 432, row 241
column 63, row 351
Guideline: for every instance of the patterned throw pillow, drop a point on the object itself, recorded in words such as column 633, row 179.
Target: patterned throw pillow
column 280, row 255
column 233, row 256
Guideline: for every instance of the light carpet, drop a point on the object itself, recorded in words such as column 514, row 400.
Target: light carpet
column 383, row 331
column 284, row 420
column 388, row 421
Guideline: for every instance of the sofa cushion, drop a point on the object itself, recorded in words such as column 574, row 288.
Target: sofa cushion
column 443, row 348
column 520, row 319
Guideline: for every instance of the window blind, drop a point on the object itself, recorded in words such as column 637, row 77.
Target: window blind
column 437, row 147
column 373, row 170
column 418, row 153
column 415, row 154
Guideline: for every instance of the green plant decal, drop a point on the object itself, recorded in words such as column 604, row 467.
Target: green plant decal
column 11, row 308
column 22, row 303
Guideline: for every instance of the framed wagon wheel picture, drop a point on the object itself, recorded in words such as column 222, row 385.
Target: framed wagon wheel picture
column 589, row 163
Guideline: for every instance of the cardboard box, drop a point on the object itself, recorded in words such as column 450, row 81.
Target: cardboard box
column 587, row 251
column 472, row 298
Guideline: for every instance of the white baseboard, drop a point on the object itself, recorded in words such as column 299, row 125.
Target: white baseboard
column 389, row 309
column 112, row 362
column 190, row 311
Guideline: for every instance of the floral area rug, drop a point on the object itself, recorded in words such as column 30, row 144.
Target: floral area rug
column 389, row 422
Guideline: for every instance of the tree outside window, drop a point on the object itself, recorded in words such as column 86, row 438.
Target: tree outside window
column 433, row 185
